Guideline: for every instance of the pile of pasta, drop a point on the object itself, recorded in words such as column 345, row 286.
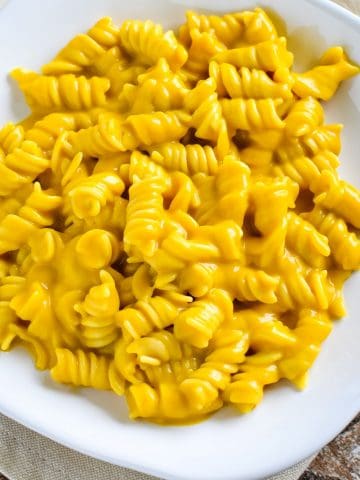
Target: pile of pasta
column 172, row 223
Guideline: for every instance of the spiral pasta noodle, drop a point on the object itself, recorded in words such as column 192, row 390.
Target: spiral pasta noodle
column 173, row 226
column 204, row 45
column 11, row 137
column 301, row 286
column 190, row 159
column 158, row 127
column 46, row 131
column 247, row 284
column 148, row 42
column 144, row 317
column 304, row 116
column 158, row 90
column 157, row 348
column 83, row 50
column 63, row 92
column 344, row 245
column 304, row 170
column 249, row 114
column 81, row 369
column 21, row 167
column 322, row 81
column 326, row 137
column 246, row 83
column 268, row 55
column 227, row 28
column 144, row 214
column 10, row 285
column 247, row 387
column 197, row 325
column 338, row 195
column 37, row 212
column 90, row 195
column 306, row 240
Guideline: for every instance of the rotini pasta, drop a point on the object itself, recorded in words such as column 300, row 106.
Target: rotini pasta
column 258, row 26
column 204, row 45
column 21, row 167
column 144, row 317
column 246, row 83
column 157, row 348
column 339, row 196
column 81, row 369
column 304, row 170
column 88, row 196
column 46, row 131
column 247, row 284
column 173, row 227
column 269, row 55
column 37, row 212
column 190, row 159
column 304, row 116
column 249, row 114
column 158, row 127
column 157, row 90
column 298, row 285
column 145, row 213
column 11, row 137
column 326, row 137
column 197, row 325
column 322, row 81
column 82, row 51
column 344, row 245
column 227, row 28
column 63, row 92
column 305, row 240
column 148, row 42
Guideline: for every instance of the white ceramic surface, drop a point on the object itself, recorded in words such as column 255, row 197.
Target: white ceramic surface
column 288, row 426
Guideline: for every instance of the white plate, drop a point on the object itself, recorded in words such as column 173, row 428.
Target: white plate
column 288, row 426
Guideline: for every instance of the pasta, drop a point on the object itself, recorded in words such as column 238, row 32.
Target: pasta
column 21, row 167
column 246, row 83
column 148, row 42
column 323, row 80
column 173, row 227
column 190, row 159
column 304, row 116
column 46, row 131
column 81, row 368
column 269, row 55
column 11, row 137
column 63, row 92
column 82, row 51
column 252, row 114
column 157, row 90
column 37, row 212
column 199, row 322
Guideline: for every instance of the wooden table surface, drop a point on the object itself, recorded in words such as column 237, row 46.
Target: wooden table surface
column 340, row 459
